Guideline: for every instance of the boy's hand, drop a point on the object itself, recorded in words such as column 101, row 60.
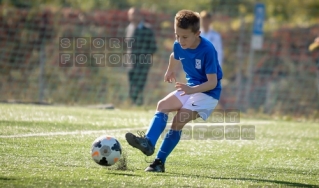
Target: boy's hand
column 187, row 90
column 169, row 77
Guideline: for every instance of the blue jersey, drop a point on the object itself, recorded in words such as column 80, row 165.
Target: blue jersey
column 199, row 62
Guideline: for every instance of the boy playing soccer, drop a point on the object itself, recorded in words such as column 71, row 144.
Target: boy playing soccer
column 197, row 98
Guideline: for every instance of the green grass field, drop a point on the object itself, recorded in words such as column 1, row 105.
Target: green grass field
column 48, row 146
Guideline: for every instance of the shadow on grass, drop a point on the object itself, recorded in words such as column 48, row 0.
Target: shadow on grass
column 7, row 178
column 286, row 183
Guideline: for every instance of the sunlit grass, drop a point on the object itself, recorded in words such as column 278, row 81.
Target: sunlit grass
column 283, row 153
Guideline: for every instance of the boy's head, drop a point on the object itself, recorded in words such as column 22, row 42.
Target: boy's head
column 186, row 26
column 206, row 19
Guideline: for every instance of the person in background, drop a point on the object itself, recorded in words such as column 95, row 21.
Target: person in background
column 143, row 47
column 211, row 35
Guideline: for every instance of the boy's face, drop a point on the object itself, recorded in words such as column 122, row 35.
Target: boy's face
column 185, row 37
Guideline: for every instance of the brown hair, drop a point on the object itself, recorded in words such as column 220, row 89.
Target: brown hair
column 186, row 19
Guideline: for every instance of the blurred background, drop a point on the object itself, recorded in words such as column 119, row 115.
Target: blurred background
column 281, row 78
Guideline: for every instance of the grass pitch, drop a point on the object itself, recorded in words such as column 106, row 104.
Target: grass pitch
column 45, row 146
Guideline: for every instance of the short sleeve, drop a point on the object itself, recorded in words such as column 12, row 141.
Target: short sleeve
column 175, row 50
column 211, row 62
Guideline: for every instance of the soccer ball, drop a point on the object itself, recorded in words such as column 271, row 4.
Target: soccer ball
column 106, row 150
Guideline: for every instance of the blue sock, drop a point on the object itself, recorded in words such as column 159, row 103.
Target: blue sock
column 157, row 126
column 170, row 141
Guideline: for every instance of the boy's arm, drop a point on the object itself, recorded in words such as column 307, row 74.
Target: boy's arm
column 211, row 74
column 209, row 85
column 172, row 66
column 173, row 63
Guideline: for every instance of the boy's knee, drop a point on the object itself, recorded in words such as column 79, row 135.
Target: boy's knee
column 162, row 106
column 168, row 104
column 165, row 106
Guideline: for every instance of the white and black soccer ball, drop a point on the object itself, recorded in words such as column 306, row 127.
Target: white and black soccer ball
column 106, row 150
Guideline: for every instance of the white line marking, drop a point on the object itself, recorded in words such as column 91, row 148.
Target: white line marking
column 86, row 132
column 72, row 133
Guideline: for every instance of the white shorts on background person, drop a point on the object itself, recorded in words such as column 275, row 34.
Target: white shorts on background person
column 199, row 102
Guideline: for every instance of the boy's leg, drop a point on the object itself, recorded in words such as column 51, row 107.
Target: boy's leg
column 169, row 104
column 172, row 138
column 146, row 143
column 198, row 105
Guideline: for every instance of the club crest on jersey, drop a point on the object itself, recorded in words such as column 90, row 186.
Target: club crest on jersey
column 198, row 64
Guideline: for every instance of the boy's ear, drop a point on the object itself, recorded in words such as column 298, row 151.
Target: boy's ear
column 197, row 33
